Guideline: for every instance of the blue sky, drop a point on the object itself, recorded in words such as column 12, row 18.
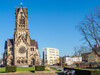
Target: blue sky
column 51, row 22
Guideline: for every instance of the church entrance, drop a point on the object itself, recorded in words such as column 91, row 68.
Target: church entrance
column 33, row 61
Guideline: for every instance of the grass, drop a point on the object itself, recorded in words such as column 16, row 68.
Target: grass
column 25, row 68
column 2, row 70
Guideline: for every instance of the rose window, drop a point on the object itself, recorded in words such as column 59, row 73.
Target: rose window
column 22, row 50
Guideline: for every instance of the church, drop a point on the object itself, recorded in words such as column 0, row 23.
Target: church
column 21, row 50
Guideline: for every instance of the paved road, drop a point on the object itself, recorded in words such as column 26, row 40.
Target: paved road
column 57, row 67
column 37, row 74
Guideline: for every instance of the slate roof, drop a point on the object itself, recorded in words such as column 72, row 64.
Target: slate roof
column 10, row 42
column 5, row 44
column 34, row 43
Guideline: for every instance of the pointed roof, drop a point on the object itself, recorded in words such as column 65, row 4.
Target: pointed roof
column 25, row 10
column 10, row 42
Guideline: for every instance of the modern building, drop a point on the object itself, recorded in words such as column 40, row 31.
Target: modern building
column 71, row 60
column 50, row 56
column 21, row 50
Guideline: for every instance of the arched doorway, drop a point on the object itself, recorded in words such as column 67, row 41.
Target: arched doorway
column 33, row 61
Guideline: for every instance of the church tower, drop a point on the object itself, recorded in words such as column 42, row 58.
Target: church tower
column 21, row 50
column 21, row 24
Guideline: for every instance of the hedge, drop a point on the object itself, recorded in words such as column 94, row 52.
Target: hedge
column 82, row 71
column 11, row 69
column 40, row 68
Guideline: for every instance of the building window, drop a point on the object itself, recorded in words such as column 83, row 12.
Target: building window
column 21, row 13
column 18, row 61
column 22, row 49
column 22, row 21
column 11, row 49
column 32, row 49
column 26, row 61
column 22, row 61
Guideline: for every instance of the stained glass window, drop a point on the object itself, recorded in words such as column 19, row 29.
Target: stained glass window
column 22, row 50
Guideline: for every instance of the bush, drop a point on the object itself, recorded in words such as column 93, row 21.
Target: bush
column 87, row 72
column 40, row 68
column 11, row 69
column 82, row 71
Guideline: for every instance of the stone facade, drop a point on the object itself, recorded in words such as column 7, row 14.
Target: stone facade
column 21, row 50
column 92, row 57
column 85, row 56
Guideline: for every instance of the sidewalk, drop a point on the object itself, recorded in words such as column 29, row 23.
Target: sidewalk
column 51, row 71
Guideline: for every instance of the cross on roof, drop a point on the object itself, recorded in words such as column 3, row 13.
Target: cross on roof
column 21, row 4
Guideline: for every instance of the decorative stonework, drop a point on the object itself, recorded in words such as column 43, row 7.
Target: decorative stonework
column 21, row 50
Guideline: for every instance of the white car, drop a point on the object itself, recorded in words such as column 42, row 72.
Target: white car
column 69, row 72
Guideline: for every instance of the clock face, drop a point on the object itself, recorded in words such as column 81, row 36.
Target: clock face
column 22, row 50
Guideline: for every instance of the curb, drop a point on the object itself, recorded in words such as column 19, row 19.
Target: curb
column 28, row 72
column 16, row 72
column 45, row 71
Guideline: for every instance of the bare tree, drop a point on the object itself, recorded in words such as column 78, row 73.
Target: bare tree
column 90, row 29
column 76, row 51
column 80, row 50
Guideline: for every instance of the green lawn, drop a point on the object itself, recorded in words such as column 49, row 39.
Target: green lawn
column 2, row 70
column 25, row 68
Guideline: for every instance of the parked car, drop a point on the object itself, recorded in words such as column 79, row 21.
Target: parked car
column 69, row 72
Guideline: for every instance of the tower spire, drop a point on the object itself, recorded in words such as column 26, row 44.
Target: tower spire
column 21, row 4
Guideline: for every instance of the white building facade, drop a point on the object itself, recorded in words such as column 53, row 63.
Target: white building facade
column 50, row 56
column 72, row 60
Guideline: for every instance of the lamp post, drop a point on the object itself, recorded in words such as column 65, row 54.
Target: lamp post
column 43, row 56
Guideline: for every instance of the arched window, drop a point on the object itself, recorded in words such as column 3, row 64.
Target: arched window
column 18, row 61
column 22, row 61
column 22, row 20
column 32, row 49
column 25, row 61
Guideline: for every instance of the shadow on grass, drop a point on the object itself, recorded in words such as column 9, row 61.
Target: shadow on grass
column 7, row 72
column 32, row 71
column 2, row 72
